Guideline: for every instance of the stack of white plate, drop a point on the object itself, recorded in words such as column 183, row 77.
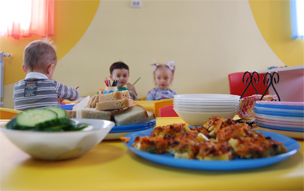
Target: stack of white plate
column 281, row 117
column 194, row 109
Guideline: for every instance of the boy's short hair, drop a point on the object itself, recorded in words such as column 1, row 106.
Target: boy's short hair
column 39, row 54
column 118, row 65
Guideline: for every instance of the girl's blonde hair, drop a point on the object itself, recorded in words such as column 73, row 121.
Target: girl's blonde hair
column 39, row 54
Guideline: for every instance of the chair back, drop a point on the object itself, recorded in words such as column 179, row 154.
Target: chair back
column 237, row 87
column 167, row 111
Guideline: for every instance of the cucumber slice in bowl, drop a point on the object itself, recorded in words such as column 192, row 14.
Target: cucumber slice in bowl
column 49, row 119
column 32, row 119
column 60, row 112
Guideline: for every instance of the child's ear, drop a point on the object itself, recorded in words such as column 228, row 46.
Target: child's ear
column 24, row 68
column 50, row 68
column 111, row 77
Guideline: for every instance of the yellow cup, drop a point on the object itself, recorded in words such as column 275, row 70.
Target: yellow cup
column 109, row 90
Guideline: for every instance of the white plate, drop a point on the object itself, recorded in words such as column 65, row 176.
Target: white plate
column 280, row 118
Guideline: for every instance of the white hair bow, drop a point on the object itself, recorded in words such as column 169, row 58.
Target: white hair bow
column 171, row 65
column 154, row 66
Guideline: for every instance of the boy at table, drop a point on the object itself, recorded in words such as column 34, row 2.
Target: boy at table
column 38, row 89
column 120, row 71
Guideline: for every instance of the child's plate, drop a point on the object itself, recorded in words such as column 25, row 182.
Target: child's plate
column 136, row 127
column 121, row 131
column 67, row 106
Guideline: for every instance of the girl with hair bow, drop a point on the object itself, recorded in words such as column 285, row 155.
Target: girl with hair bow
column 163, row 77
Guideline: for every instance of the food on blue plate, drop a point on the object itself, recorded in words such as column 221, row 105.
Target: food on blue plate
column 117, row 107
column 47, row 119
column 132, row 115
column 214, row 151
column 218, row 139
column 151, row 144
column 256, row 147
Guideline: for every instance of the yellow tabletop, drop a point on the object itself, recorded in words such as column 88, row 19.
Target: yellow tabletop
column 111, row 166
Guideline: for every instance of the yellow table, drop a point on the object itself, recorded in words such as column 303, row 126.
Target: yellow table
column 111, row 166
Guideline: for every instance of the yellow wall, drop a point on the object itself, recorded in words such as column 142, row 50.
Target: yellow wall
column 273, row 20
column 206, row 39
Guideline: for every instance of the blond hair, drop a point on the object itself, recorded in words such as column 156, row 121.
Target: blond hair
column 39, row 54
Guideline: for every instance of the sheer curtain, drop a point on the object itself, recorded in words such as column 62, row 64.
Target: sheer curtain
column 24, row 18
column 297, row 18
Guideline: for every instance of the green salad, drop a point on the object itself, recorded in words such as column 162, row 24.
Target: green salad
column 48, row 119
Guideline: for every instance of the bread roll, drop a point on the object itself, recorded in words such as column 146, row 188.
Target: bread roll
column 132, row 115
column 71, row 113
column 92, row 102
column 90, row 113
column 82, row 104
column 113, row 105
column 151, row 115
column 114, row 96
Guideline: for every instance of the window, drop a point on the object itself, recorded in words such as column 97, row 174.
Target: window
column 297, row 18
column 24, row 18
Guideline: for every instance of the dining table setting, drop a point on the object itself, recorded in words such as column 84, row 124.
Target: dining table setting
column 217, row 142
column 112, row 165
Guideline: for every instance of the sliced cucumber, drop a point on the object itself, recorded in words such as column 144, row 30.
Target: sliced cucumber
column 12, row 124
column 33, row 118
column 48, row 119
column 60, row 112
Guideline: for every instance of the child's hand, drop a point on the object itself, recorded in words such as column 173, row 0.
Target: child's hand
column 60, row 101
column 131, row 88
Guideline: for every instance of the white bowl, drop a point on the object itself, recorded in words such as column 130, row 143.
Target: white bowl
column 60, row 145
column 198, row 118
column 206, row 109
column 199, row 97
column 218, row 107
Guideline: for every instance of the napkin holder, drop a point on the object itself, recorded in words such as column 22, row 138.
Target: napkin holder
column 246, row 112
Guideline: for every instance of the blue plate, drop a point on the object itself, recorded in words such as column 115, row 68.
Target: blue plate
column 295, row 107
column 67, row 106
column 132, row 128
column 235, row 164
column 278, row 113
column 281, row 128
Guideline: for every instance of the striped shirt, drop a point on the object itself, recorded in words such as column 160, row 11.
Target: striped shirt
column 157, row 94
column 37, row 91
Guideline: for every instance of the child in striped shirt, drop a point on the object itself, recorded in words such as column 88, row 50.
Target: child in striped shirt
column 38, row 89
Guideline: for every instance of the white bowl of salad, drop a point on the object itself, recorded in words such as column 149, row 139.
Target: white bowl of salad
column 48, row 134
